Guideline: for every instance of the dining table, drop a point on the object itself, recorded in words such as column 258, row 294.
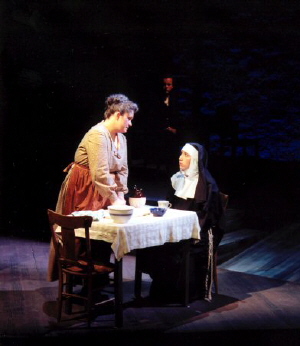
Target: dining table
column 143, row 230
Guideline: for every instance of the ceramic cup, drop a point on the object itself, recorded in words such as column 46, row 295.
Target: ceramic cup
column 137, row 202
column 164, row 204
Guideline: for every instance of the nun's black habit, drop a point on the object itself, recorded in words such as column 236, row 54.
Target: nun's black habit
column 165, row 263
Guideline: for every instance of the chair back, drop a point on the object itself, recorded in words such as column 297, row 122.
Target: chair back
column 224, row 200
column 66, row 247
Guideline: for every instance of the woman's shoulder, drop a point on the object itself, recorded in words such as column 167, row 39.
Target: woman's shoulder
column 98, row 128
column 94, row 134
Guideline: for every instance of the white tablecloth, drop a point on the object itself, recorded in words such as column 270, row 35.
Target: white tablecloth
column 145, row 231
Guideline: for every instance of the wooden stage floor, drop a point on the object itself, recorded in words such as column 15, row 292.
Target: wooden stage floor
column 249, row 308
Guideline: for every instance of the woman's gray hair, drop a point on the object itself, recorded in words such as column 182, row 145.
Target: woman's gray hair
column 119, row 103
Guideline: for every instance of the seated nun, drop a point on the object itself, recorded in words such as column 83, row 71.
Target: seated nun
column 192, row 188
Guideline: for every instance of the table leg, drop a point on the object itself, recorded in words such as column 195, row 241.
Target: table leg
column 118, row 278
column 138, row 277
column 186, row 263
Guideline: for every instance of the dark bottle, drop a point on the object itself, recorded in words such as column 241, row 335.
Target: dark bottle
column 137, row 193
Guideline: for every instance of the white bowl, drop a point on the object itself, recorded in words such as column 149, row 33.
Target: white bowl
column 120, row 213
column 137, row 202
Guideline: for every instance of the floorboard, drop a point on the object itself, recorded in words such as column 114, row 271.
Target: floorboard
column 246, row 305
column 275, row 256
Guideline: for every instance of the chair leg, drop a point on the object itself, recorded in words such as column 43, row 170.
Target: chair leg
column 69, row 289
column 118, row 286
column 89, row 300
column 186, row 261
column 59, row 299
column 215, row 273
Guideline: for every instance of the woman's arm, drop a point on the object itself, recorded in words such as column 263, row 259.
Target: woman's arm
column 99, row 151
column 122, row 176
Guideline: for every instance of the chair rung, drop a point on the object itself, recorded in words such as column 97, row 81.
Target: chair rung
column 105, row 301
column 72, row 295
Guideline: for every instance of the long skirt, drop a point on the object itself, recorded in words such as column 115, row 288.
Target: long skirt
column 78, row 193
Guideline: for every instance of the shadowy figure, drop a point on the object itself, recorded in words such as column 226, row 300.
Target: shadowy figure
column 166, row 126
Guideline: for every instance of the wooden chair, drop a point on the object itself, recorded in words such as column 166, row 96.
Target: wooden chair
column 186, row 254
column 224, row 201
column 70, row 265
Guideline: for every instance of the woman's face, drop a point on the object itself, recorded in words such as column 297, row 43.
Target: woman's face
column 184, row 160
column 125, row 121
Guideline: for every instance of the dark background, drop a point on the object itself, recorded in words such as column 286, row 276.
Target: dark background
column 60, row 59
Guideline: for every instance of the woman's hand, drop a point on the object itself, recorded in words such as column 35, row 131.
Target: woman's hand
column 119, row 201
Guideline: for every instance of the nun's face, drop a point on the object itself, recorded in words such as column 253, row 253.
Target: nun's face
column 184, row 160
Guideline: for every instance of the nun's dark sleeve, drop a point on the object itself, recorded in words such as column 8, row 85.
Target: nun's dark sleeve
column 170, row 194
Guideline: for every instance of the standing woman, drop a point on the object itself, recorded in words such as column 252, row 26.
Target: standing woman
column 98, row 176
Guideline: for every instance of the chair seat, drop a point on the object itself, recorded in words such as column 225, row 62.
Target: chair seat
column 98, row 269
